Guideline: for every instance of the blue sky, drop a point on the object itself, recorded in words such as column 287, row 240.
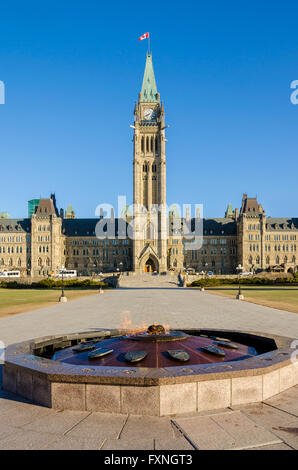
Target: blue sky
column 73, row 71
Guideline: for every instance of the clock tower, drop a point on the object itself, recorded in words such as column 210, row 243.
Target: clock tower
column 149, row 167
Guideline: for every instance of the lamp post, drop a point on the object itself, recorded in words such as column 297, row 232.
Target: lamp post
column 205, row 276
column 62, row 298
column 205, row 265
column 239, row 295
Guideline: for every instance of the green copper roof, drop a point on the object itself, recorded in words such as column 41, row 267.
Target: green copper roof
column 149, row 89
column 230, row 209
column 69, row 210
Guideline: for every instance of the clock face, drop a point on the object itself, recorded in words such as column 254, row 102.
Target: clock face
column 149, row 114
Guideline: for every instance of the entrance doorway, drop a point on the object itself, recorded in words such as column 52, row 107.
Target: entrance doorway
column 150, row 266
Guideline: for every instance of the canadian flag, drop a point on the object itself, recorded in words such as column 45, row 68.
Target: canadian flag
column 145, row 36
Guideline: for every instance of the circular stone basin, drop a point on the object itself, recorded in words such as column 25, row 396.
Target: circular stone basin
column 157, row 348
column 158, row 385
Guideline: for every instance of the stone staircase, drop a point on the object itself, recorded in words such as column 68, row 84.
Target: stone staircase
column 148, row 280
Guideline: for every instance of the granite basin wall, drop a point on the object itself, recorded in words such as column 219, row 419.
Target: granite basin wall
column 142, row 391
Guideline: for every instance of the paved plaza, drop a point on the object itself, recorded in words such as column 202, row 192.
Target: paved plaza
column 166, row 304
column 270, row 425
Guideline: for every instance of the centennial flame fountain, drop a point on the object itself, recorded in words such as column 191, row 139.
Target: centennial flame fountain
column 152, row 371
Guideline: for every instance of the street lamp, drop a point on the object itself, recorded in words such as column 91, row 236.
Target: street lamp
column 239, row 270
column 205, row 265
column 62, row 298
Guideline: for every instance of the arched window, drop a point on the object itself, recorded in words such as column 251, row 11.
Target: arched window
column 156, row 144
column 149, row 232
column 142, row 144
column 258, row 260
column 250, row 260
column 267, row 260
column 147, row 144
column 39, row 262
column 19, row 262
column 277, row 260
column 152, row 144
column 10, row 262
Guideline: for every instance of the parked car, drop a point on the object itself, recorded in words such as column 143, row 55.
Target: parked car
column 210, row 273
column 246, row 274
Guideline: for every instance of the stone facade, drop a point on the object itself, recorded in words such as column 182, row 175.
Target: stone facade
column 41, row 244
column 149, row 169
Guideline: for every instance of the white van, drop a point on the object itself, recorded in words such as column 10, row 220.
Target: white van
column 67, row 273
column 9, row 274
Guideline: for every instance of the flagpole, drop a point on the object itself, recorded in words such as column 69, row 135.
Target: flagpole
column 149, row 44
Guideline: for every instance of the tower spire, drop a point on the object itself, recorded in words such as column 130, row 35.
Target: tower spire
column 149, row 90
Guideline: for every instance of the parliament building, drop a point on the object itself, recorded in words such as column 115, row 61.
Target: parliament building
column 50, row 238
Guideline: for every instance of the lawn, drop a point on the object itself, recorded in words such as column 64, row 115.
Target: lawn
column 14, row 301
column 283, row 298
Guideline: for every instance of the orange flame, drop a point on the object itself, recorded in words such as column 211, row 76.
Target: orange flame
column 126, row 324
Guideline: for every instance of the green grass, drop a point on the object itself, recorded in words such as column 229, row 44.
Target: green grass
column 284, row 298
column 14, row 301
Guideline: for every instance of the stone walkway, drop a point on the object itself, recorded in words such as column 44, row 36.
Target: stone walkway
column 269, row 425
column 179, row 308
